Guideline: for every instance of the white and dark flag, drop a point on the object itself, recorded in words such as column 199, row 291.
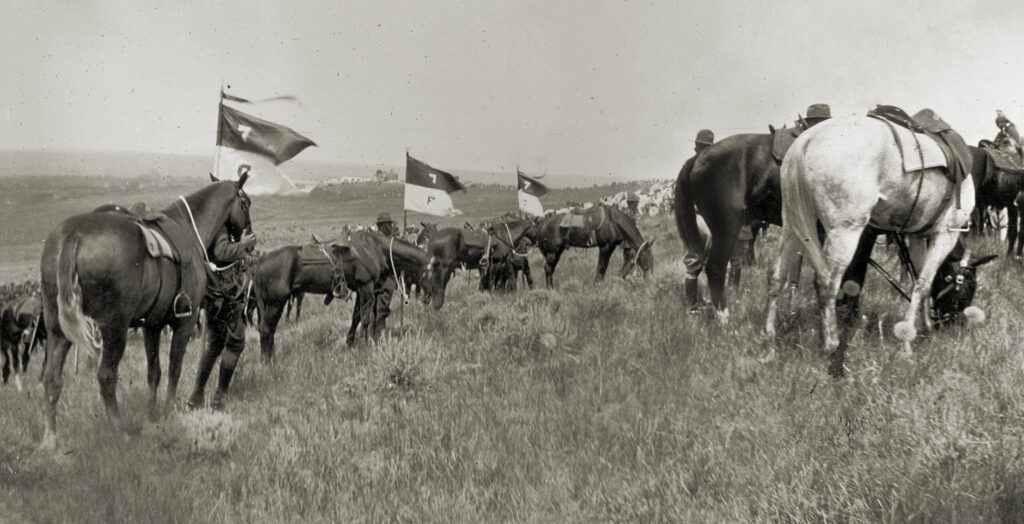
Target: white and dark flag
column 427, row 189
column 530, row 191
column 258, row 143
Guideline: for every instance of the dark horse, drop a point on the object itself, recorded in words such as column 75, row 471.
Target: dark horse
column 21, row 326
column 731, row 183
column 282, row 275
column 604, row 227
column 998, row 186
column 454, row 247
column 373, row 265
column 98, row 280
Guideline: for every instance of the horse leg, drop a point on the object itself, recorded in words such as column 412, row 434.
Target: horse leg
column 1020, row 235
column 941, row 244
column 789, row 247
column 114, row 339
column 366, row 310
column 268, row 327
column 603, row 257
column 350, row 338
column 527, row 273
column 151, row 338
column 838, row 250
column 179, row 343
column 5, row 351
column 1011, row 228
column 298, row 306
column 53, row 382
column 550, row 261
column 848, row 303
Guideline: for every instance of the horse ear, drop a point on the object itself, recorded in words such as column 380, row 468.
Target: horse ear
column 771, row 129
column 983, row 260
column 213, row 178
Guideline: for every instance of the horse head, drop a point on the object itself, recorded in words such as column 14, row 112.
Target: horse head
column 238, row 219
column 955, row 284
column 428, row 228
column 334, row 254
column 641, row 256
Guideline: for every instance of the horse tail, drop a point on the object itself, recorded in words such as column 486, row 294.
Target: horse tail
column 77, row 327
column 685, row 212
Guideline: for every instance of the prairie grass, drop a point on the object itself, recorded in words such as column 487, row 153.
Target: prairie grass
column 592, row 402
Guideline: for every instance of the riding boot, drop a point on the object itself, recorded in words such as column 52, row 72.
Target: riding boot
column 692, row 294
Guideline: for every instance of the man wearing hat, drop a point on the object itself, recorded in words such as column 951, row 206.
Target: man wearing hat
column 704, row 139
column 633, row 204
column 385, row 225
column 816, row 113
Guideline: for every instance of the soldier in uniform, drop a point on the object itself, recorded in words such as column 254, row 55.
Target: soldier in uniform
column 225, row 315
column 633, row 204
column 385, row 225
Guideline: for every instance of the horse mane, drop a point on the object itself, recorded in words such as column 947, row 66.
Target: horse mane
column 197, row 199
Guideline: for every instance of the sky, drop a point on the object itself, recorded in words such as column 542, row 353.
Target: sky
column 592, row 87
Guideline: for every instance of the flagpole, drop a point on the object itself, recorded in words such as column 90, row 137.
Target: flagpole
column 216, row 158
column 405, row 212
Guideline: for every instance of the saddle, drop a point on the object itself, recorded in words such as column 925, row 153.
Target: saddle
column 957, row 155
column 999, row 159
column 583, row 218
column 475, row 238
column 314, row 254
column 782, row 139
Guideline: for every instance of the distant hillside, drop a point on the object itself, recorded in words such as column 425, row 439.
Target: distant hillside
column 155, row 165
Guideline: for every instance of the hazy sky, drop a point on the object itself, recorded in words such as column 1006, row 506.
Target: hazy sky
column 574, row 87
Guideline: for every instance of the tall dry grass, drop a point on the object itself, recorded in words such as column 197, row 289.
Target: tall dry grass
column 592, row 402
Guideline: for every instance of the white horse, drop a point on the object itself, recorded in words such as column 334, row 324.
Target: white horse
column 845, row 174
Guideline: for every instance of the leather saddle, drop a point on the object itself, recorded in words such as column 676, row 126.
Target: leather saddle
column 1000, row 160
column 927, row 122
column 591, row 218
column 150, row 225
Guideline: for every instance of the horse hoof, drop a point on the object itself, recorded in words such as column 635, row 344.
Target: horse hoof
column 17, row 383
column 975, row 315
column 905, row 331
column 723, row 316
column 851, row 288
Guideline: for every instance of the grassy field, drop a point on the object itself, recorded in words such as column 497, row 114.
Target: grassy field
column 593, row 402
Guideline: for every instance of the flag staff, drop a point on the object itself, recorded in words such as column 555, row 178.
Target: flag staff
column 405, row 212
column 216, row 159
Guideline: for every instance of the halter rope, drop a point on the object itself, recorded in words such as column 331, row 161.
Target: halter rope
column 192, row 220
column 512, row 243
column 636, row 258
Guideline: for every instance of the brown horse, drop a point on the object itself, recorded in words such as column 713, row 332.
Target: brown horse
column 98, row 279
column 457, row 247
column 731, row 183
column 21, row 327
column 998, row 186
column 373, row 265
column 604, row 227
column 281, row 276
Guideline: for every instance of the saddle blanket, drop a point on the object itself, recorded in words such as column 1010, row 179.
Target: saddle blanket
column 589, row 219
column 156, row 243
column 920, row 154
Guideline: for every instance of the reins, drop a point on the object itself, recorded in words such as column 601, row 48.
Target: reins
column 512, row 243
column 210, row 265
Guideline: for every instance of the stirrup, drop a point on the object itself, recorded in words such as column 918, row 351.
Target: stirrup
column 182, row 306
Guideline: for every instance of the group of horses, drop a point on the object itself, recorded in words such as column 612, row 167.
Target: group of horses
column 114, row 269
column 840, row 185
column 21, row 329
